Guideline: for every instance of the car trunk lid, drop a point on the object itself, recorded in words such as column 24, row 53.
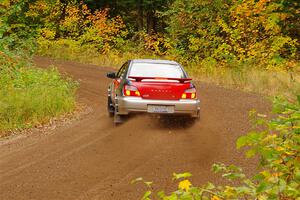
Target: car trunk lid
column 161, row 88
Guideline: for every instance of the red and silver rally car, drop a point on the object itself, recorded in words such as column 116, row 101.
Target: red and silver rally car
column 151, row 86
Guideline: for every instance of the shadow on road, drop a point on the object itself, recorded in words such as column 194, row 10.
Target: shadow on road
column 160, row 122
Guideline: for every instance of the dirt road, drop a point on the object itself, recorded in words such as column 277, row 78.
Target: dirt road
column 91, row 159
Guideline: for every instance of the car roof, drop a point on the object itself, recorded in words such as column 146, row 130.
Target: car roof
column 155, row 61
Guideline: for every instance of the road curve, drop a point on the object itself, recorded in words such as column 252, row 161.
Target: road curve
column 92, row 159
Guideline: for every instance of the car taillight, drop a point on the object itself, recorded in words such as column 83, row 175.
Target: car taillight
column 189, row 94
column 130, row 90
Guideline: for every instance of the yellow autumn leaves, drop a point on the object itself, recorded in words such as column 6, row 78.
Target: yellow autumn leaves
column 77, row 23
column 184, row 185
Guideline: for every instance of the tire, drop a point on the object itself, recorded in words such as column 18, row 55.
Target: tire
column 110, row 107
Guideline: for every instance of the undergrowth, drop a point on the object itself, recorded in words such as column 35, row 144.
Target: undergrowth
column 30, row 96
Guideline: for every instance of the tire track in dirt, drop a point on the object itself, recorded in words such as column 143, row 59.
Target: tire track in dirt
column 92, row 159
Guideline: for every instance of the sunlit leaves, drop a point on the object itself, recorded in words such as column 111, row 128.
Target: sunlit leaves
column 233, row 33
column 147, row 195
column 181, row 175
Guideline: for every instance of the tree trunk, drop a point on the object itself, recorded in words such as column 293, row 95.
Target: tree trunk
column 63, row 6
column 151, row 22
column 140, row 13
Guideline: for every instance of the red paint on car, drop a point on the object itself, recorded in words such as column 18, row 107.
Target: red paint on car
column 161, row 90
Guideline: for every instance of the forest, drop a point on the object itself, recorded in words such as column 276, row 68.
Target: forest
column 262, row 34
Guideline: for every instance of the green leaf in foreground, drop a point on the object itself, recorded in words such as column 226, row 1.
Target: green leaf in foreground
column 181, row 175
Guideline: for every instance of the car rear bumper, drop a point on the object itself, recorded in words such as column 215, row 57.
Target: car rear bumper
column 126, row 105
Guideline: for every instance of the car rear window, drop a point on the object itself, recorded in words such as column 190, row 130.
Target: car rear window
column 156, row 70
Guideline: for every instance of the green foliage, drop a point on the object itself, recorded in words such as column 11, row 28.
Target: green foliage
column 237, row 34
column 277, row 143
column 16, row 29
column 28, row 95
column 233, row 33
column 181, row 175
column 31, row 96
column 193, row 28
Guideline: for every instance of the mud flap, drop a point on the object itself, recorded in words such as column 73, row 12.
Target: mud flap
column 110, row 107
column 198, row 115
column 119, row 119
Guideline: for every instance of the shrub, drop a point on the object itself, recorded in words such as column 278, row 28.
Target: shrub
column 80, row 25
column 29, row 95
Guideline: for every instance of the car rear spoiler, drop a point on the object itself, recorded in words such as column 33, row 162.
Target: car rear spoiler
column 181, row 80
